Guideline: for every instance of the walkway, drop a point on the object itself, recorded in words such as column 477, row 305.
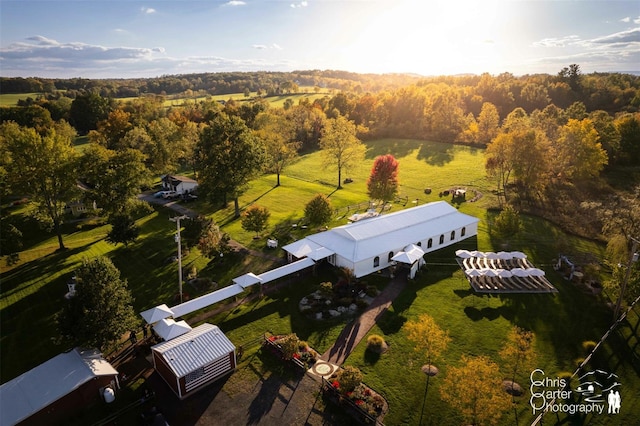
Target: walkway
column 355, row 331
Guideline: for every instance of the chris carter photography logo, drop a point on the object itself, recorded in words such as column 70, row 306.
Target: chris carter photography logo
column 596, row 392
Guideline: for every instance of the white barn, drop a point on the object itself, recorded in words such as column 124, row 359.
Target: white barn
column 369, row 245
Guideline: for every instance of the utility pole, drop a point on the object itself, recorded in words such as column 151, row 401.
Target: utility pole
column 177, row 220
column 632, row 258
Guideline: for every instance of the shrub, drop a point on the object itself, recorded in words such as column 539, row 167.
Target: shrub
column 289, row 345
column 507, row 223
column 326, row 288
column 588, row 346
column 375, row 342
column 349, row 377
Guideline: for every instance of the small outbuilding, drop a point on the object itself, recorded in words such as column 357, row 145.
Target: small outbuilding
column 180, row 184
column 56, row 389
column 195, row 359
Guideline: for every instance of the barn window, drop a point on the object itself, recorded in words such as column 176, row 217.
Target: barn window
column 376, row 262
column 390, row 256
column 453, row 235
column 430, row 243
column 441, row 239
column 464, row 231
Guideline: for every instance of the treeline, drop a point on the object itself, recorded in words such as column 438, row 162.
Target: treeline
column 264, row 82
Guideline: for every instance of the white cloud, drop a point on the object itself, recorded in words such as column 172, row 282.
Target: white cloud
column 44, row 57
column 273, row 46
column 557, row 41
column 637, row 20
column 628, row 36
column 303, row 3
column 148, row 10
column 235, row 3
column 625, row 19
column 43, row 41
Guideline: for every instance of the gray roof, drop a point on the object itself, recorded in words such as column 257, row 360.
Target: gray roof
column 197, row 348
column 36, row 389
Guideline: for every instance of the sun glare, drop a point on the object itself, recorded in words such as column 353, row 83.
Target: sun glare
column 429, row 37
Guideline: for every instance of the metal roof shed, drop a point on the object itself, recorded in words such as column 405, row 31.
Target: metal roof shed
column 195, row 359
column 56, row 389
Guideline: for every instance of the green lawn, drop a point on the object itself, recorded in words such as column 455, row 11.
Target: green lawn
column 11, row 99
column 32, row 289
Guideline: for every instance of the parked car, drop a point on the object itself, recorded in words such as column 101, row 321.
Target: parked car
column 159, row 194
column 189, row 197
column 168, row 195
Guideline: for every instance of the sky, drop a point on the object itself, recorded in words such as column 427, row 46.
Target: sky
column 130, row 38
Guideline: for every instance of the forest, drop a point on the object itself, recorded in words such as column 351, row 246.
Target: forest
column 569, row 140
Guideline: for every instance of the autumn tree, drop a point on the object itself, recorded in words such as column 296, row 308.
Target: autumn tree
column 318, row 211
column 628, row 125
column 488, row 123
column 277, row 134
column 255, row 219
column 340, row 146
column 101, row 311
column 212, row 241
column 499, row 161
column 111, row 130
column 519, row 354
column 577, row 153
column 42, row 165
column 431, row 341
column 228, row 156
column 475, row 389
column 383, row 180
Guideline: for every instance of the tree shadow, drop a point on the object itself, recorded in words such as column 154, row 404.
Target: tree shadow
column 436, row 154
column 397, row 147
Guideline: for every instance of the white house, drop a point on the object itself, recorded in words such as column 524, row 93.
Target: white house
column 180, row 184
column 370, row 245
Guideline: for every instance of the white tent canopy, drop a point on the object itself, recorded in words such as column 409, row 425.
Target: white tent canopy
column 169, row 329
column 156, row 314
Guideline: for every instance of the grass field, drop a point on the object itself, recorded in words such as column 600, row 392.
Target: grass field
column 11, row 99
column 32, row 289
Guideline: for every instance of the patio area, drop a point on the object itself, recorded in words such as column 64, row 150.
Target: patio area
column 502, row 272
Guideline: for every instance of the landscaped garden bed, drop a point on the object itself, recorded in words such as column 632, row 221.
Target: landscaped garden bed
column 345, row 389
column 291, row 349
column 337, row 300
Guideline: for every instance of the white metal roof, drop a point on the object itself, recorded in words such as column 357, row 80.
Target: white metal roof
column 247, row 280
column 287, row 269
column 169, row 329
column 156, row 314
column 197, row 348
column 206, row 300
column 365, row 239
column 43, row 385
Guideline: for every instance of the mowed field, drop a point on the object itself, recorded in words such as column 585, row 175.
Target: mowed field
column 33, row 288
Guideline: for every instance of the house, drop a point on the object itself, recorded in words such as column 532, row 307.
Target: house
column 54, row 390
column 180, row 184
column 370, row 245
column 195, row 359
column 78, row 207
